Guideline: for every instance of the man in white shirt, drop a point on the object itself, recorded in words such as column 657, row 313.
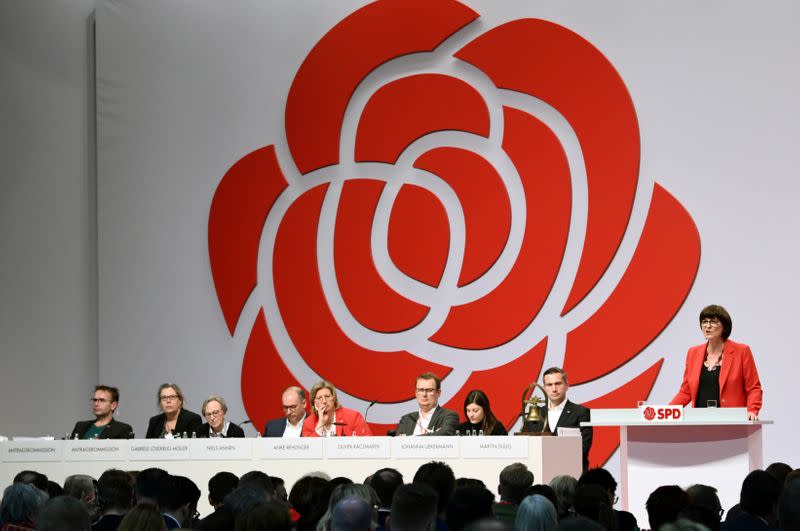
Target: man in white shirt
column 430, row 418
column 560, row 412
column 293, row 402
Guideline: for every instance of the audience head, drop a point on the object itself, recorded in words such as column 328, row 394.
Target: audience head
column 760, row 494
column 385, row 482
column 115, row 488
column 591, row 501
column 779, row 471
column 467, row 505
column 564, row 487
column 701, row 515
column 54, row 489
column 414, row 508
column 21, row 503
column 31, row 477
column 82, row 488
column 536, row 513
column 664, row 504
column 293, row 401
column 791, row 476
column 64, row 513
column 462, row 483
column 270, row 515
column 705, row 496
column 478, row 411
column 346, row 490
column 280, row 489
column 439, row 476
column 603, row 478
column 178, row 497
column 242, row 498
column 170, row 398
column 789, row 511
column 220, row 485
column 143, row 517
column 352, row 513
column 546, row 491
column 147, row 485
column 259, row 480
column 309, row 497
column 515, row 480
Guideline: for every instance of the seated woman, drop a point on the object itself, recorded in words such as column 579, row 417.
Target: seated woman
column 214, row 410
column 479, row 416
column 328, row 418
column 174, row 421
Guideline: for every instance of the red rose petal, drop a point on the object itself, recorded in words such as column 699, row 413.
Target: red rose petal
column 606, row 439
column 662, row 269
column 342, row 58
column 310, row 324
column 409, row 108
column 484, row 201
column 371, row 301
column 566, row 71
column 506, row 311
column 235, row 222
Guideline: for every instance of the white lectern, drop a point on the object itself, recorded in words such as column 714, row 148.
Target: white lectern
column 713, row 446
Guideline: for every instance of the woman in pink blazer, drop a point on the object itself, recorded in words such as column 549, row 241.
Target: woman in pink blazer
column 720, row 370
column 328, row 418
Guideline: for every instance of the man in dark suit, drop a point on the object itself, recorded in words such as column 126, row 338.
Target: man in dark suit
column 104, row 404
column 293, row 402
column 560, row 412
column 430, row 419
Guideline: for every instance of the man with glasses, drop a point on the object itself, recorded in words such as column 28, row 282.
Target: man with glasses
column 104, row 404
column 430, row 419
column 293, row 402
column 214, row 410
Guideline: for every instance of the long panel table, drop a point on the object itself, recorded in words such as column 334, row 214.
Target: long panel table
column 354, row 457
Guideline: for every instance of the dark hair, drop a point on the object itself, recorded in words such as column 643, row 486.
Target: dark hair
column 115, row 488
column 431, row 376
column 385, row 482
column 439, row 476
column 31, row 477
column 466, row 483
column 544, row 490
column 147, row 482
column 760, row 492
column 779, row 471
column 664, row 504
column 63, row 513
column 220, row 485
column 789, row 510
column 467, row 505
column 54, row 489
column 414, row 507
column 556, row 370
column 479, row 398
column 259, row 480
column 701, row 515
column 515, row 480
column 243, row 497
column 592, row 501
column 705, row 496
column 309, row 497
column 598, row 476
column 143, row 517
column 175, row 492
column 108, row 389
column 715, row 311
column 264, row 515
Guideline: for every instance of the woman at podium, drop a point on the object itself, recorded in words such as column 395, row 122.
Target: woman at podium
column 720, row 371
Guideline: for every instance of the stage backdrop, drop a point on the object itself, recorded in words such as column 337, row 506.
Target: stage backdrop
column 291, row 191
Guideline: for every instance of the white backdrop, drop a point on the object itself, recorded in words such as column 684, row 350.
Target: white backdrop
column 186, row 88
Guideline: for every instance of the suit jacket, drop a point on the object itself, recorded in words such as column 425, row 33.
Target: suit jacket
column 739, row 385
column 746, row 522
column 275, row 427
column 443, row 422
column 352, row 422
column 234, row 431
column 188, row 422
column 114, row 430
column 571, row 417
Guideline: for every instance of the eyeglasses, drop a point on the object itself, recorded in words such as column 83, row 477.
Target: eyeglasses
column 167, row 398
column 99, row 400
column 215, row 413
column 290, row 408
column 425, row 390
column 709, row 322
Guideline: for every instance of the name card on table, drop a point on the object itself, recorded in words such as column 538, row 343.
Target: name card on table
column 160, row 450
column 212, row 448
column 96, row 450
column 279, row 448
column 33, row 450
column 411, row 447
column 357, row 447
column 494, row 447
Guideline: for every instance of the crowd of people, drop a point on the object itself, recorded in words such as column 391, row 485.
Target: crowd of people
column 433, row 500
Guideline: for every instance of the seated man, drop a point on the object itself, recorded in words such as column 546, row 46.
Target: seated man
column 293, row 401
column 561, row 413
column 430, row 419
column 104, row 403
column 515, row 480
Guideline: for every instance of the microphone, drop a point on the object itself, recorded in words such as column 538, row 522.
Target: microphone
column 248, row 421
column 342, row 424
column 366, row 411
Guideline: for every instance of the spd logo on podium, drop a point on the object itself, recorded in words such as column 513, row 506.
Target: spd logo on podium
column 662, row 414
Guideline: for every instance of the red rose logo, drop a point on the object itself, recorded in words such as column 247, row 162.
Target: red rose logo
column 649, row 413
column 427, row 218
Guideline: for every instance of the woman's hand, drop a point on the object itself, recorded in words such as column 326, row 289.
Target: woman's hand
column 323, row 416
column 751, row 416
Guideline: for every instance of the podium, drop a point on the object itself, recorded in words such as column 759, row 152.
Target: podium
column 712, row 446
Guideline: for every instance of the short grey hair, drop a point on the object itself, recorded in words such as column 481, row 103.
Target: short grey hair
column 214, row 398
column 76, row 485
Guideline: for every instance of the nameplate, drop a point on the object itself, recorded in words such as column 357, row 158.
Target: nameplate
column 160, row 449
column 357, row 447
column 34, row 450
column 96, row 450
column 655, row 414
column 494, row 447
column 411, row 447
column 241, row 449
column 289, row 448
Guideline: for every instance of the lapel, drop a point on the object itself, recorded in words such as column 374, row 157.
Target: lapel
column 434, row 418
column 728, row 356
